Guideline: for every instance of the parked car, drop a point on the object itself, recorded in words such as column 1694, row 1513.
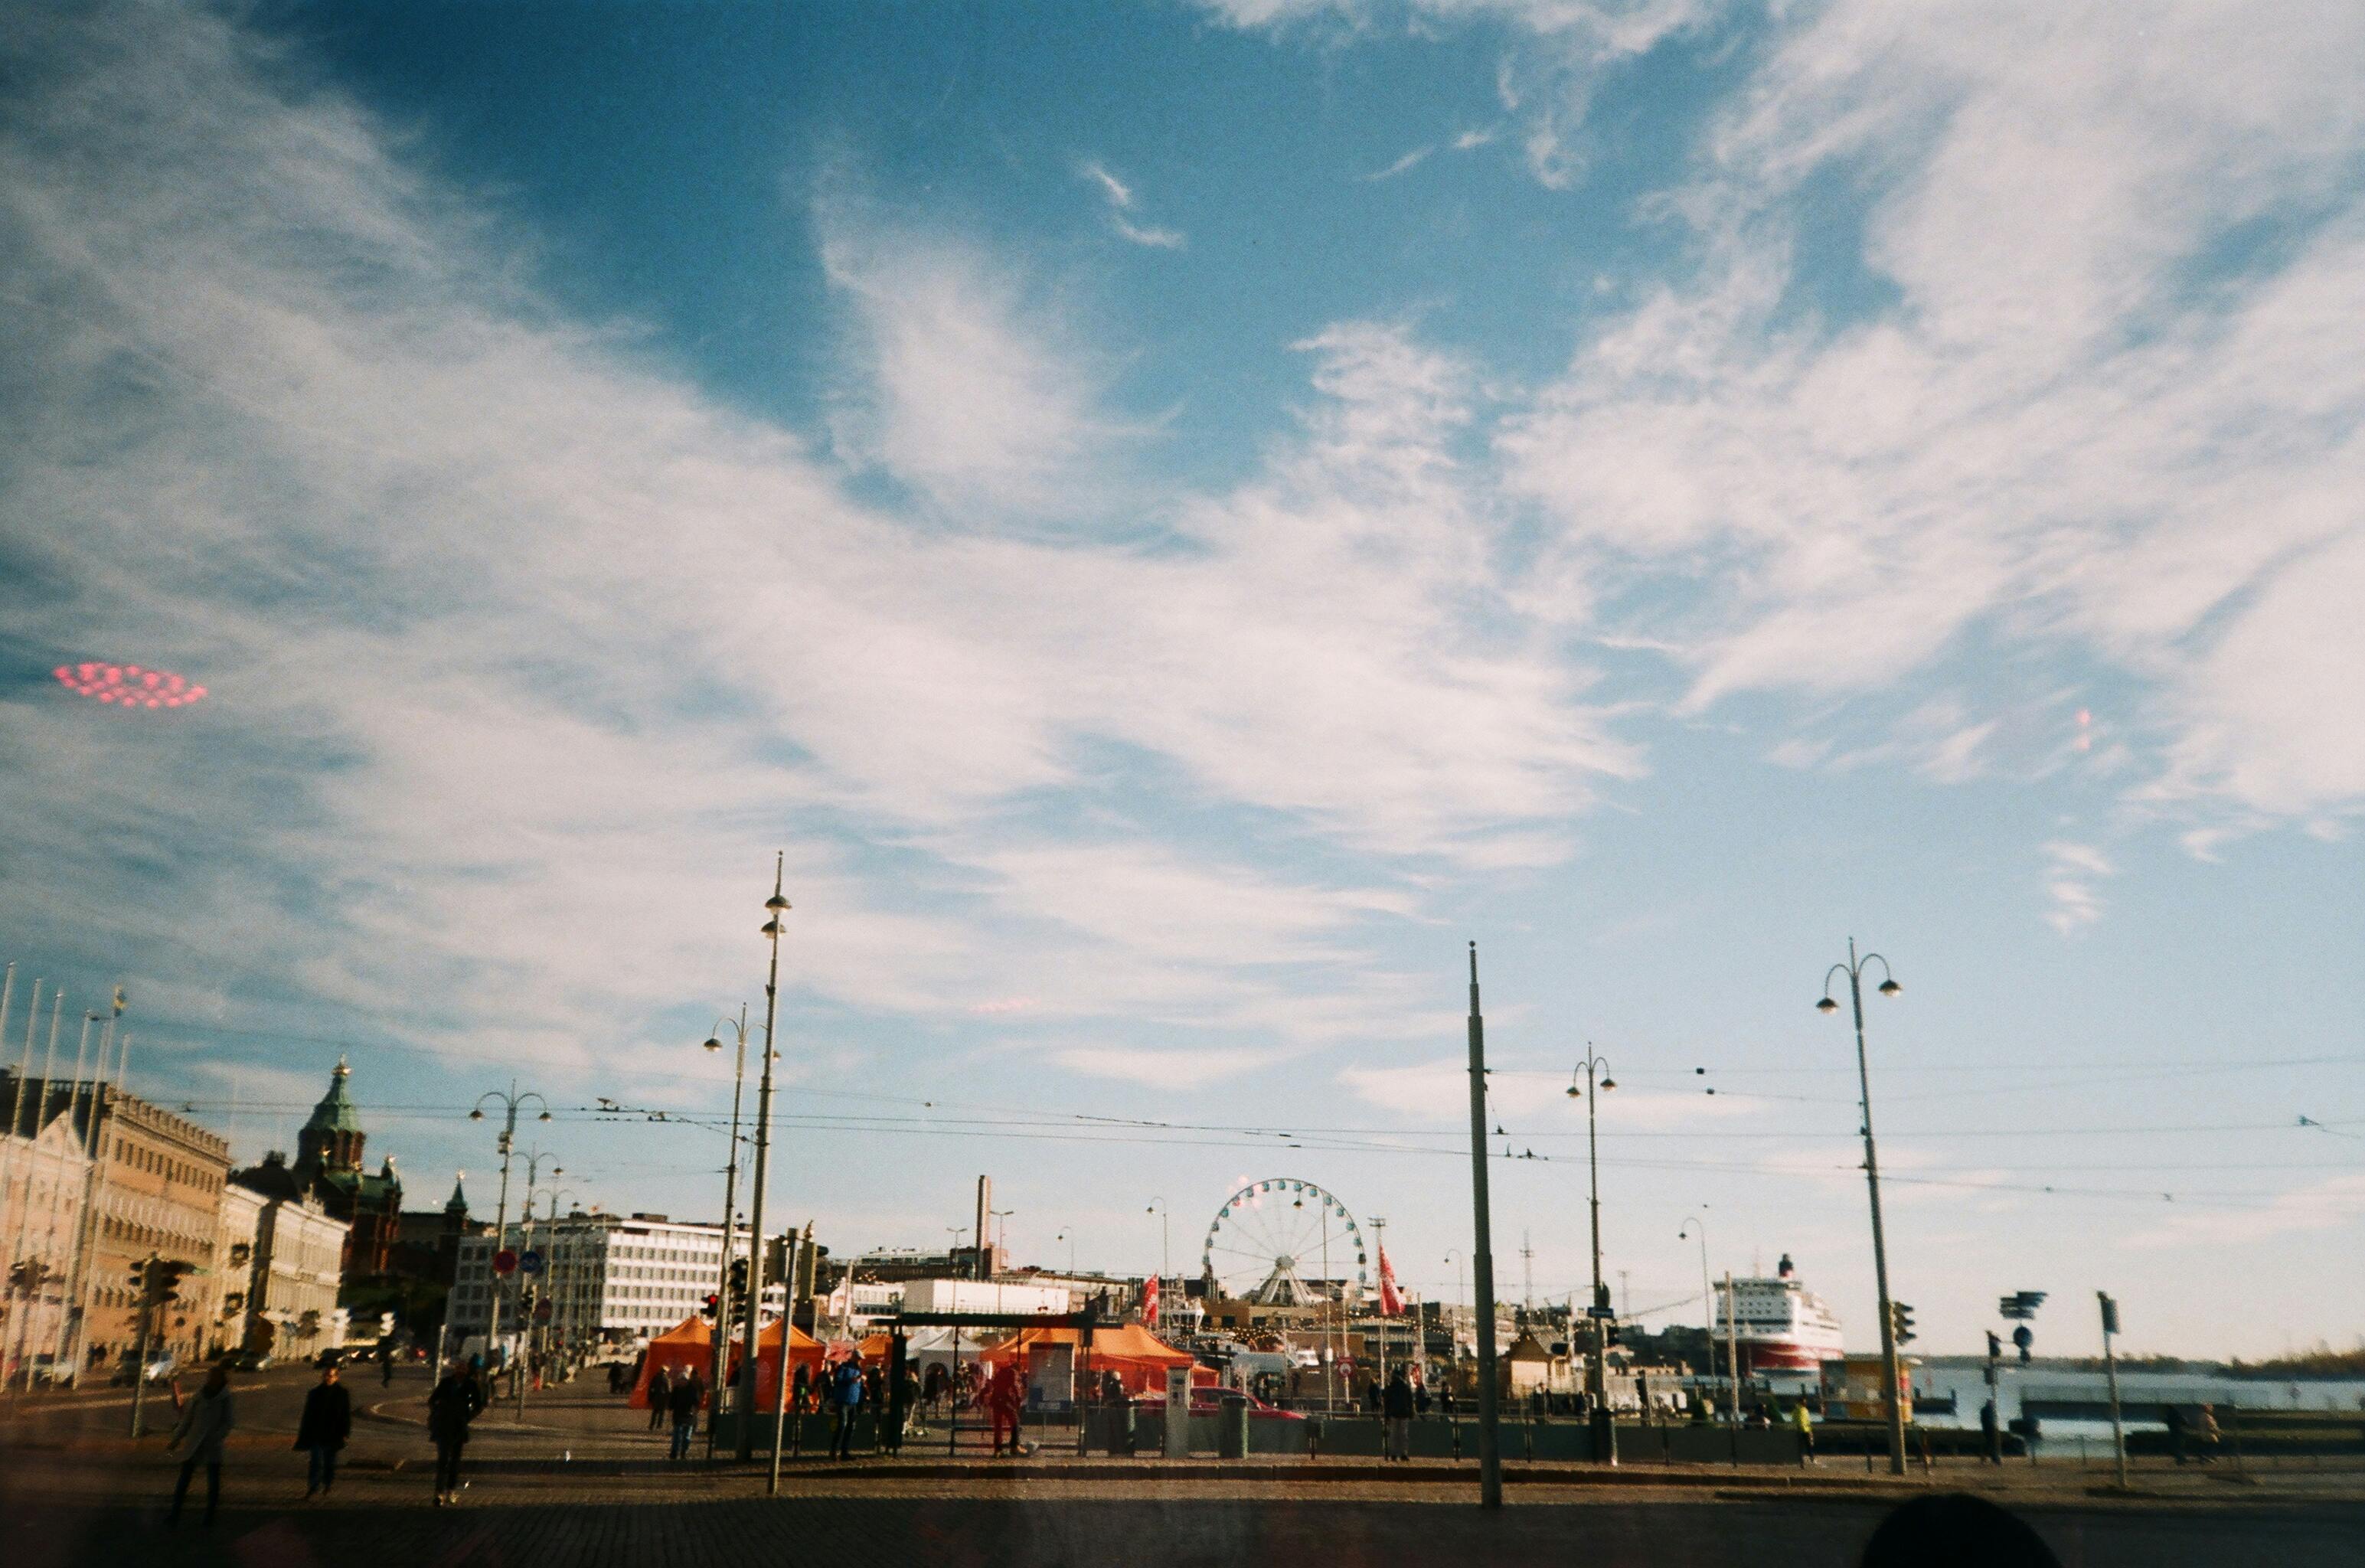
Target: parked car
column 247, row 1361
column 159, row 1367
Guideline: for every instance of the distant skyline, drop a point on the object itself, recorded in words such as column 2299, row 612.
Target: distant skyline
column 1177, row 518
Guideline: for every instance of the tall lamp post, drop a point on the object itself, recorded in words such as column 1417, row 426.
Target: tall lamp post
column 554, row 1337
column 1708, row 1312
column 1165, row 1251
column 519, row 1375
column 774, row 907
column 730, row 1215
column 1594, row 1071
column 1853, row 970
column 510, row 1104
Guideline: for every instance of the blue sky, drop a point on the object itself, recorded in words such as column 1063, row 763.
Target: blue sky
column 1178, row 518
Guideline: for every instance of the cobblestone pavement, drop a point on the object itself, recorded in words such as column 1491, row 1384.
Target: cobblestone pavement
column 70, row 1509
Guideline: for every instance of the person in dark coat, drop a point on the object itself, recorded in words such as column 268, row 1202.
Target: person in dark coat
column 1395, row 1408
column 660, row 1398
column 1990, row 1436
column 204, row 1423
column 801, row 1389
column 689, row 1393
column 451, row 1406
column 327, row 1420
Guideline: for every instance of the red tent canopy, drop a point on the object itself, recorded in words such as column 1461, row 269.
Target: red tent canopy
column 689, row 1345
column 1139, row 1358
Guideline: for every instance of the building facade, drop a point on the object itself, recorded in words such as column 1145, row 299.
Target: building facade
column 608, row 1279
column 44, row 1183
column 155, row 1191
column 236, row 1238
column 298, row 1263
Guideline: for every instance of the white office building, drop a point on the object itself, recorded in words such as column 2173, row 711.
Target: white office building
column 608, row 1279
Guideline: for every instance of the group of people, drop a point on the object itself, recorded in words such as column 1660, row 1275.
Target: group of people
column 207, row 1420
column 840, row 1390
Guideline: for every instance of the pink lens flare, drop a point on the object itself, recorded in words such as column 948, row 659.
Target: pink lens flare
column 128, row 687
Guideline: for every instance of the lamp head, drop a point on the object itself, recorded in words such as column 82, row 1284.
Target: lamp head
column 1575, row 1093
column 477, row 1115
column 712, row 1044
column 1889, row 988
column 544, row 1117
column 771, row 928
column 1827, row 1005
column 776, row 903
column 1607, row 1081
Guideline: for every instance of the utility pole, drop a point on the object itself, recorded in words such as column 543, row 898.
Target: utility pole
column 2111, row 1362
column 1379, row 1245
column 1597, row 1083
column 1733, row 1346
column 775, row 907
column 1482, row 1258
column 507, row 1144
column 1854, row 968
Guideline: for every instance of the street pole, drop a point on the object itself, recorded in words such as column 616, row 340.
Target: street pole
column 2111, row 1362
column 1707, row 1303
column 1733, row 1348
column 776, row 906
column 1605, row 1426
column 524, row 1375
column 1482, row 1257
column 730, row 1210
column 1888, row 987
column 1379, row 1243
column 507, row 1144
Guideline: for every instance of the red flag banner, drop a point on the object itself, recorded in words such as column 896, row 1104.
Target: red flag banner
column 1392, row 1302
column 1149, row 1303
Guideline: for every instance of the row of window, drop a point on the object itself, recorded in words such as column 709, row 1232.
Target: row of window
column 139, row 1157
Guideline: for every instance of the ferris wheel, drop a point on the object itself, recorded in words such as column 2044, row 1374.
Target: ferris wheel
column 1274, row 1239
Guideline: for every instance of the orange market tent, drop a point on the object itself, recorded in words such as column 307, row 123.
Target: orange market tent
column 1139, row 1358
column 691, row 1345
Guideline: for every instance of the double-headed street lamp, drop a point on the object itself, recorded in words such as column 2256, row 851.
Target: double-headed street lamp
column 1853, row 970
column 510, row 1103
column 723, row 1306
column 1594, row 1070
column 520, row 1374
column 774, row 908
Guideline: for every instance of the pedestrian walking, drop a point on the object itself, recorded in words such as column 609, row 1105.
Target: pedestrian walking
column 327, row 1421
column 1804, row 1421
column 1395, row 1408
column 2210, row 1435
column 204, row 1424
column 687, row 1395
column 660, row 1394
column 901, row 1397
column 385, row 1368
column 801, row 1389
column 2176, row 1430
column 451, row 1406
column 845, row 1389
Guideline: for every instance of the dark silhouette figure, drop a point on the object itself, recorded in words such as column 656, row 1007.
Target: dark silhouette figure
column 1955, row 1531
column 453, row 1403
column 327, row 1420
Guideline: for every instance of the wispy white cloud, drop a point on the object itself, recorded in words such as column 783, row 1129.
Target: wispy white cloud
column 1405, row 164
column 1120, row 198
column 2332, row 1204
column 2072, row 878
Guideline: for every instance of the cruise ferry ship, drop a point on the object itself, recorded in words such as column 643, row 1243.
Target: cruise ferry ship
column 1780, row 1325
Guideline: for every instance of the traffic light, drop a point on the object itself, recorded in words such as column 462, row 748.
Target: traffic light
column 1995, row 1347
column 2024, row 1337
column 2110, row 1313
column 142, row 1281
column 167, row 1277
column 1610, row 1331
column 739, row 1278
column 713, row 1305
column 1900, row 1322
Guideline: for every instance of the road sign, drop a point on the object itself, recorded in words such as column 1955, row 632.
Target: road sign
column 505, row 1262
column 1600, row 1312
column 530, row 1261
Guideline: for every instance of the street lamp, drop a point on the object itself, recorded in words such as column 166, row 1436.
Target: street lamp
column 1708, row 1313
column 510, row 1102
column 1594, row 1070
column 775, row 908
column 1165, row 1247
column 551, row 1290
column 520, row 1376
column 729, row 1213
column 1853, row 970
column 1070, row 1237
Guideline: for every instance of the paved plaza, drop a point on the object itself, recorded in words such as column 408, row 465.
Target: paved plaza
column 580, row 1480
